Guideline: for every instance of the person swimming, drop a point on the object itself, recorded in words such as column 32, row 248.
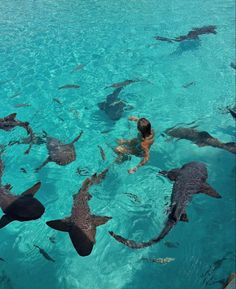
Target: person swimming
column 139, row 146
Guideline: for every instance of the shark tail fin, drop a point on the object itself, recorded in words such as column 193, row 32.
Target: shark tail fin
column 98, row 220
column 62, row 225
column 208, row 190
column 139, row 245
column 5, row 220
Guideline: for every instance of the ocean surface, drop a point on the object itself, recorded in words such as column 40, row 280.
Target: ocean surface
column 41, row 45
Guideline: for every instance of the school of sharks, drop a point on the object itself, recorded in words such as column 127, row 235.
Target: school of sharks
column 188, row 180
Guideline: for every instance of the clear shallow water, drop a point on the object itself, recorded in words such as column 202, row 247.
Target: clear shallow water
column 41, row 43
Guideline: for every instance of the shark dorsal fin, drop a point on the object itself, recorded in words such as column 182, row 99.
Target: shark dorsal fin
column 98, row 220
column 63, row 225
column 5, row 220
column 11, row 116
column 32, row 191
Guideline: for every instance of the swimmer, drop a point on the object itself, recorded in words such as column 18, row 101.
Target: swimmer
column 139, row 146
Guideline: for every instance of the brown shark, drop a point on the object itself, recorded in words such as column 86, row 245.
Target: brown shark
column 189, row 180
column 69, row 86
column 60, row 153
column 123, row 83
column 81, row 225
column 9, row 122
column 191, row 35
column 200, row 138
column 23, row 207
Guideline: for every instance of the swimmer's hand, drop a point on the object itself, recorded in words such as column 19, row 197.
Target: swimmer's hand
column 133, row 118
column 132, row 171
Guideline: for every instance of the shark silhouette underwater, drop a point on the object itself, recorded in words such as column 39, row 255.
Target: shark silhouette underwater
column 200, row 138
column 114, row 106
column 189, row 180
column 23, row 207
column 9, row 122
column 191, row 35
column 60, row 153
column 81, row 225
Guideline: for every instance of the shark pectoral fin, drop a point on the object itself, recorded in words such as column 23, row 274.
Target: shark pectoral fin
column 10, row 116
column 60, row 225
column 32, row 191
column 5, row 220
column 208, row 190
column 184, row 217
column 98, row 220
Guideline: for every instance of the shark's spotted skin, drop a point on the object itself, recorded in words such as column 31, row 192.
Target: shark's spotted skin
column 81, row 225
column 188, row 181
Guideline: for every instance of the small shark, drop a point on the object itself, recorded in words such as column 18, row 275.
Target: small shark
column 44, row 254
column 102, row 153
column 200, row 138
column 60, row 153
column 191, row 35
column 123, row 83
column 189, row 180
column 23, row 207
column 113, row 106
column 9, row 122
column 159, row 260
column 81, row 225
column 69, row 86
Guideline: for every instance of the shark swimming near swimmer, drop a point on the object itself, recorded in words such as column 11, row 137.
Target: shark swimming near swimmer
column 189, row 180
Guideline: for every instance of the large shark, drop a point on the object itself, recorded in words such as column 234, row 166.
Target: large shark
column 200, row 138
column 9, row 122
column 60, row 153
column 81, row 225
column 189, row 180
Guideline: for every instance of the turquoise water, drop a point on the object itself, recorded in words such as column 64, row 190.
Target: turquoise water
column 41, row 44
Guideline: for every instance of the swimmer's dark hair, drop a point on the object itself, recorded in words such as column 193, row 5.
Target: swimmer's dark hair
column 144, row 126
